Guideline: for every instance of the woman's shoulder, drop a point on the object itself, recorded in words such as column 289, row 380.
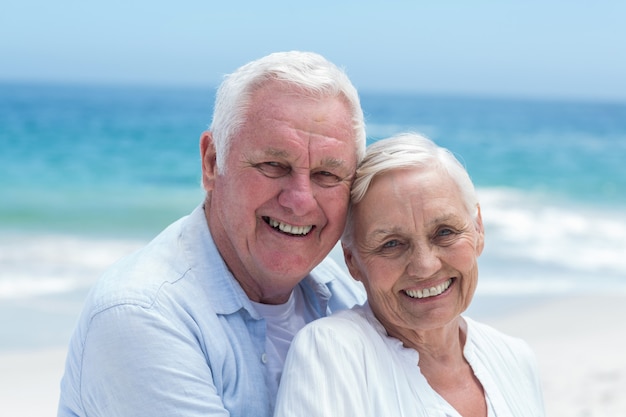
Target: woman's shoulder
column 480, row 329
column 350, row 319
column 486, row 339
column 510, row 364
column 344, row 325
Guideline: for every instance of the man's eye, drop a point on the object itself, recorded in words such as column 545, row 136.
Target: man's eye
column 326, row 179
column 273, row 169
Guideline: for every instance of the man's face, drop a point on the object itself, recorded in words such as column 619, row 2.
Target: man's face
column 280, row 206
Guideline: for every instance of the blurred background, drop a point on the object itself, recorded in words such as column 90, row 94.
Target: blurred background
column 102, row 105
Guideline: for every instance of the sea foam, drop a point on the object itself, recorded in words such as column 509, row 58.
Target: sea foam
column 36, row 264
column 534, row 244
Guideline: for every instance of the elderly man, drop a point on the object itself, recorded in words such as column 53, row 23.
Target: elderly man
column 199, row 321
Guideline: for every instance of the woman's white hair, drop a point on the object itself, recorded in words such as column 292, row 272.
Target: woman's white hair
column 309, row 72
column 408, row 150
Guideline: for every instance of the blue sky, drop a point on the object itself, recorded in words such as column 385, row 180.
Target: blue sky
column 529, row 48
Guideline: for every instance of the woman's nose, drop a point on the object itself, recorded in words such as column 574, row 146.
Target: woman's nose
column 425, row 261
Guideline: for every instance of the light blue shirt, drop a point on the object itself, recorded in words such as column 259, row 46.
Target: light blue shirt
column 168, row 331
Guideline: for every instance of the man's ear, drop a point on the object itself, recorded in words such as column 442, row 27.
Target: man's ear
column 481, row 231
column 208, row 157
column 348, row 256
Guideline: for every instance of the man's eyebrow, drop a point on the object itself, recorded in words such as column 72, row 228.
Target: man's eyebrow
column 328, row 162
column 275, row 152
column 333, row 162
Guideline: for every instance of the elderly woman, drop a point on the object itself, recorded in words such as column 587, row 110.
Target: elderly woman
column 413, row 236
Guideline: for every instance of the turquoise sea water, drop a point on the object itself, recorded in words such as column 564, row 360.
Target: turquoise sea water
column 89, row 173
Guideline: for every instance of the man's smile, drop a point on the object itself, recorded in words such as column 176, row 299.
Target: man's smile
column 288, row 228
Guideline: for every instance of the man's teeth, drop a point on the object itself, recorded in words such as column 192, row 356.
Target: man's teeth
column 429, row 292
column 288, row 228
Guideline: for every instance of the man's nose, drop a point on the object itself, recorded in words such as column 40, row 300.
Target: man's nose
column 298, row 195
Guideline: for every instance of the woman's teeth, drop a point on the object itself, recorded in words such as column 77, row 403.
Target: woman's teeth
column 429, row 292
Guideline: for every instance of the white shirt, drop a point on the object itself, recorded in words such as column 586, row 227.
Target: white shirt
column 283, row 322
column 347, row 365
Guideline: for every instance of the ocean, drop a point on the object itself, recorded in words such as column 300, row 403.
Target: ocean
column 90, row 173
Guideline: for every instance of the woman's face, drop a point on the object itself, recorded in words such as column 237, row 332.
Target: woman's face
column 415, row 250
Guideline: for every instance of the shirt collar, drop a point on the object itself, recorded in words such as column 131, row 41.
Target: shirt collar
column 222, row 289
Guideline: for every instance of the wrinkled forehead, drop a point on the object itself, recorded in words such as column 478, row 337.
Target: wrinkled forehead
column 397, row 188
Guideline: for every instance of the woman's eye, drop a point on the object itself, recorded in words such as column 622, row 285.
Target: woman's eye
column 391, row 244
column 273, row 169
column 445, row 234
column 393, row 247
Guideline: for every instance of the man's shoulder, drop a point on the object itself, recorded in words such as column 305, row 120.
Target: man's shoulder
column 345, row 291
column 333, row 268
column 139, row 276
column 328, row 270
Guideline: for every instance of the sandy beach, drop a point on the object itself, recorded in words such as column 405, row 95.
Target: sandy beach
column 29, row 382
column 579, row 341
column 580, row 344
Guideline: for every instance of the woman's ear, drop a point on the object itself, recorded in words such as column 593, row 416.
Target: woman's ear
column 208, row 158
column 348, row 257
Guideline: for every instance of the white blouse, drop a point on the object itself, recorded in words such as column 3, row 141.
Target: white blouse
column 347, row 365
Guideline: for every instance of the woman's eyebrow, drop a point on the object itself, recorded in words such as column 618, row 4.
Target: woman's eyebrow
column 384, row 231
column 445, row 218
